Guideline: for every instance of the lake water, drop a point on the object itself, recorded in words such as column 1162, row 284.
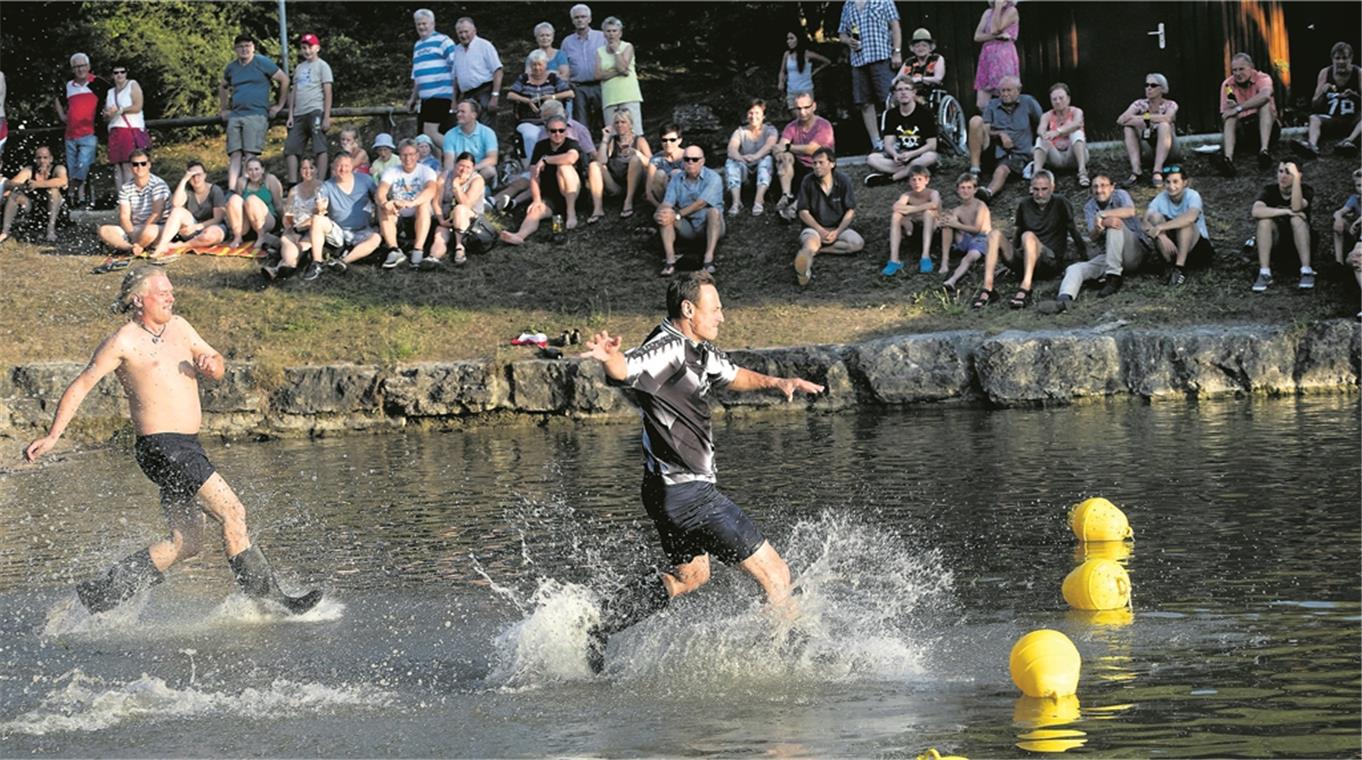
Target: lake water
column 462, row 567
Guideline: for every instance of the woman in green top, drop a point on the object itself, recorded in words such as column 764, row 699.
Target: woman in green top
column 256, row 199
column 619, row 80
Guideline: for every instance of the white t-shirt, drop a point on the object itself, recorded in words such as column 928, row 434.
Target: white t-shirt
column 404, row 186
column 308, row 78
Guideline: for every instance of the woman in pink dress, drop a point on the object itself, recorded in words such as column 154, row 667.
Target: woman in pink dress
column 997, row 30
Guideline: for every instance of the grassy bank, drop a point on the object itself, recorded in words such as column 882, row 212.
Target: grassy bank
column 604, row 276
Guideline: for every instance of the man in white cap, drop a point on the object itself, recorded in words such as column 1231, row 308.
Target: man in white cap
column 309, row 108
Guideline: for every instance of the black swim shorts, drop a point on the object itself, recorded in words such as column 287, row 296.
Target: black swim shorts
column 696, row 518
column 176, row 463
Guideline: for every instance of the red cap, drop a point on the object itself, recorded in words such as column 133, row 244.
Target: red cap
column 309, row 39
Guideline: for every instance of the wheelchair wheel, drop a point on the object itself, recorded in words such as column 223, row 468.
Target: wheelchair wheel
column 950, row 119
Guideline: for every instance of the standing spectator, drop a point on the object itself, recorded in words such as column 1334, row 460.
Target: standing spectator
column 4, row 128
column 309, row 108
column 305, row 204
column 82, row 97
column 1061, row 140
column 256, row 200
column 914, row 211
column 472, row 136
column 1114, row 229
column 751, row 146
column 127, row 128
column 349, row 221
column 581, row 47
column 664, row 164
column 532, row 89
column 1039, row 229
column 556, row 170
column 998, row 60
column 386, row 157
column 404, row 195
column 1348, row 220
column 623, row 159
column 247, row 80
column 1176, row 222
column 973, row 221
column 909, row 131
column 1333, row 108
column 142, row 205
column 615, row 67
column 350, row 144
column 557, row 59
column 1150, row 128
column 28, row 186
column 1282, row 212
column 1245, row 94
column 198, row 212
column 432, row 77
column 827, row 206
column 1008, row 125
column 871, row 29
column 477, row 69
column 693, row 206
column 798, row 66
column 459, row 201
column 799, row 140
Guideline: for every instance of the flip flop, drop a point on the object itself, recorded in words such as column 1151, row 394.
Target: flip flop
column 626, row 213
column 668, row 270
column 709, row 267
column 595, row 218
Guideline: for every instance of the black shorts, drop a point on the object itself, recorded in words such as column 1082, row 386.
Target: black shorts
column 694, row 519
column 436, row 111
column 306, row 137
column 1201, row 255
column 1014, row 160
column 801, row 170
column 1246, row 133
column 176, row 463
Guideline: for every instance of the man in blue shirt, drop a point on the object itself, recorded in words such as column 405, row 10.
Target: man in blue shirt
column 248, row 79
column 580, row 48
column 691, row 207
column 432, row 76
column 349, row 219
column 471, row 136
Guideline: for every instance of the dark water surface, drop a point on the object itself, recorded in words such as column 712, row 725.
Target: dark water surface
column 463, row 568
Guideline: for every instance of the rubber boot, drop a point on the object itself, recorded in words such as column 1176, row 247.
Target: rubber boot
column 636, row 601
column 120, row 582
column 256, row 579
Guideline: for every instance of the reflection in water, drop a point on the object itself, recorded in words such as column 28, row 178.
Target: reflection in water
column 1039, row 716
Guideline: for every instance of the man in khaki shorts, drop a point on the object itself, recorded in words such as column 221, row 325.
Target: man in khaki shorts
column 826, row 204
column 247, row 80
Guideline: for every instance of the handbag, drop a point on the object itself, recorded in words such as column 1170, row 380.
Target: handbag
column 141, row 139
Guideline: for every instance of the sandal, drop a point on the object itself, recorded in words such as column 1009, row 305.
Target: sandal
column 984, row 298
column 460, row 256
column 1021, row 300
column 709, row 267
column 735, row 209
column 758, row 209
column 1083, row 180
column 626, row 213
column 950, row 289
column 1156, row 181
column 595, row 218
column 1131, row 181
column 668, row 269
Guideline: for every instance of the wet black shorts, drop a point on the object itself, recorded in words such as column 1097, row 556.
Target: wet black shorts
column 695, row 518
column 436, row 111
column 175, row 462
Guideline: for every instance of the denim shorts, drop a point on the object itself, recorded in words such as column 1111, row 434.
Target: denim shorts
column 80, row 155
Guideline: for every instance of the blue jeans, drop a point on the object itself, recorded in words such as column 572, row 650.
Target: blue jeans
column 80, row 154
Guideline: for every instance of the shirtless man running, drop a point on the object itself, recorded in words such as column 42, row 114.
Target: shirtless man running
column 158, row 357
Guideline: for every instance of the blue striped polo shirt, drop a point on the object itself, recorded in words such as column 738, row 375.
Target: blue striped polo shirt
column 432, row 63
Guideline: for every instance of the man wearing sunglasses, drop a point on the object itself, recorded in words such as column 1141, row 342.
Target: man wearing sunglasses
column 142, row 206
column 556, row 169
column 83, row 95
column 692, row 207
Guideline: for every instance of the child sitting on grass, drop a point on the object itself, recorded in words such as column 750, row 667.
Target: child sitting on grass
column 973, row 221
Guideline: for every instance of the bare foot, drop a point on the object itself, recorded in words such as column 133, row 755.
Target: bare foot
column 572, row 222
column 51, row 236
column 236, row 242
column 137, row 249
column 510, row 238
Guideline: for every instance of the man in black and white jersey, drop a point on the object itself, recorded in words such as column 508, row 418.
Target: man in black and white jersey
column 671, row 375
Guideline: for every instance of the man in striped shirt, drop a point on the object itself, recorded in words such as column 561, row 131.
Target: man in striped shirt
column 142, row 205
column 432, row 77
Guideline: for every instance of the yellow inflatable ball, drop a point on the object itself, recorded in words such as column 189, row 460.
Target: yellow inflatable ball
column 1098, row 584
column 1097, row 519
column 1045, row 663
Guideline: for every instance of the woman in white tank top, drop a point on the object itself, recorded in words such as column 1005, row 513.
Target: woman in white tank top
column 127, row 127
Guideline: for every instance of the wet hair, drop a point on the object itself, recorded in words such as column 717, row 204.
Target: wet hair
column 134, row 285
column 801, row 49
column 1341, row 47
column 918, row 170
column 686, row 287
column 827, row 153
column 966, row 177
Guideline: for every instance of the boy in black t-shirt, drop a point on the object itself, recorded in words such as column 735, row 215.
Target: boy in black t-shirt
column 909, row 131
column 1283, row 213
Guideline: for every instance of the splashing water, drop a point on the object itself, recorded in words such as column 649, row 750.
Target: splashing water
column 68, row 616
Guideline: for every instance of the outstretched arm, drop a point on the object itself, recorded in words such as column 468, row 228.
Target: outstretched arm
column 606, row 350
column 106, row 359
column 747, row 380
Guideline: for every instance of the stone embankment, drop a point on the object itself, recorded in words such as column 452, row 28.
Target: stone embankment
column 1006, row 369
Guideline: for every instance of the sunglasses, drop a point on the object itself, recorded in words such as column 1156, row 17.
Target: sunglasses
column 120, row 71
column 1151, row 84
column 671, row 139
column 693, row 159
column 140, row 163
column 557, row 131
column 1173, row 169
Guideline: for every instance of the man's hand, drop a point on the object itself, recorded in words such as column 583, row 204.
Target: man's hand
column 274, row 111
column 39, row 447
column 1294, row 171
column 601, row 347
column 828, row 237
column 208, row 365
column 411, row 105
column 789, row 385
column 1005, row 140
column 289, row 121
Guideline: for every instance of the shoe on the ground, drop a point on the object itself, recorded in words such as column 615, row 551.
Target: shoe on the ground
column 803, row 265
column 1112, row 286
column 1177, row 277
column 1261, row 284
column 416, row 256
column 1053, row 307
column 338, row 266
column 1265, row 160
column 924, row 266
column 395, row 257
column 269, row 271
column 1028, row 170
column 891, row 268
column 1307, row 280
column 430, row 264
column 313, row 271
column 1305, row 148
column 1224, row 165
column 984, row 193
column 878, row 179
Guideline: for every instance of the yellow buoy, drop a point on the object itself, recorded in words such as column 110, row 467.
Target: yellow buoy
column 1098, row 584
column 1097, row 519
column 933, row 754
column 1045, row 663
column 1118, row 551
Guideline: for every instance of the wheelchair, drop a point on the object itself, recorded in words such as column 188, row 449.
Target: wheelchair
column 952, row 135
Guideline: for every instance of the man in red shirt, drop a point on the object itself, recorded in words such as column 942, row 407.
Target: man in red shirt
column 1246, row 101
column 77, row 108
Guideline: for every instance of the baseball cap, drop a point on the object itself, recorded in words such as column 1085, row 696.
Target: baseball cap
column 309, row 39
column 384, row 140
column 922, row 35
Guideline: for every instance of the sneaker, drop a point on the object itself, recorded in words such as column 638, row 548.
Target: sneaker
column 984, row 194
column 313, row 271
column 269, row 271
column 416, row 256
column 1261, row 284
column 878, row 179
column 1307, row 280
column 429, row 264
column 891, row 268
column 395, row 257
column 1265, row 161
column 1177, row 277
column 924, row 266
column 338, row 266
column 1028, row 170
column 1112, row 286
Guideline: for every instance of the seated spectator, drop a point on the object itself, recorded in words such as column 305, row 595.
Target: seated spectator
column 1249, row 112
column 1355, row 261
column 460, row 200
column 616, row 68
column 576, row 129
column 349, row 220
column 359, row 157
column 257, row 200
column 1283, row 215
column 1176, row 223
column 404, row 195
column 471, row 136
column 142, row 204
column 665, row 164
column 916, row 208
column 973, row 221
column 517, row 191
column 798, row 66
column 425, row 152
column 827, row 206
column 198, row 213
column 1348, row 220
column 532, row 89
column 1114, row 229
column 1008, row 126
column 1149, row 126
column 1062, row 144
column 925, row 67
column 1038, row 234
column 43, row 177
column 556, row 58
column 751, row 146
column 385, row 155
column 305, row 204
column 692, row 207
column 799, row 140
column 621, row 165
column 1335, row 106
column 909, row 131
column 556, row 168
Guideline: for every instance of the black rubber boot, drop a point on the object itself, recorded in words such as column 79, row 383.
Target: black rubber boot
column 256, row 579
column 636, row 601
column 120, row 582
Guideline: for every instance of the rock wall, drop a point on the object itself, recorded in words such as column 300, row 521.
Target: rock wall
column 1008, row 369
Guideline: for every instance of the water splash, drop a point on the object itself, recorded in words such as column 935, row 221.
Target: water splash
column 85, row 703
column 241, row 609
column 67, row 616
column 549, row 645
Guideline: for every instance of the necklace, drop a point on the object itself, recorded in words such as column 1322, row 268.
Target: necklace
column 155, row 336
